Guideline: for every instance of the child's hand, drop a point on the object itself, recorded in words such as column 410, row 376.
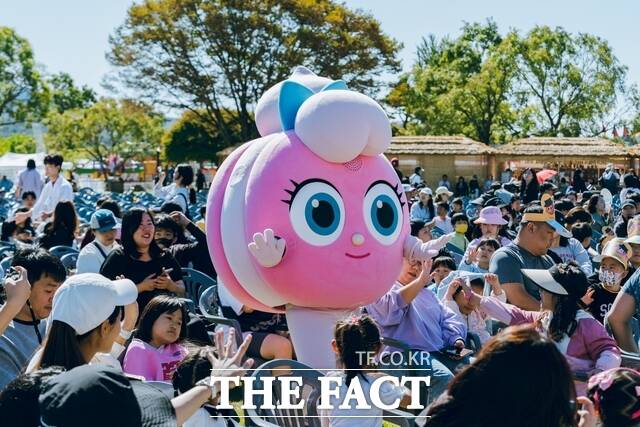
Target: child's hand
column 492, row 280
column 588, row 298
column 472, row 256
column 472, row 298
column 228, row 362
column 588, row 415
column 425, row 274
column 453, row 287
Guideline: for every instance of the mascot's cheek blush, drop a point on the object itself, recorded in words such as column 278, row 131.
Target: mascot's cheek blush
column 335, row 256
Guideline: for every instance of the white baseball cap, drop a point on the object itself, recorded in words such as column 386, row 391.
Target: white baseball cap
column 86, row 300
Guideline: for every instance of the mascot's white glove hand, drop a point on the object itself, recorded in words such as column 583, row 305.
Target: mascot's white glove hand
column 267, row 248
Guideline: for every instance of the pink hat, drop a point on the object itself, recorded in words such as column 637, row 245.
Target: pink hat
column 490, row 215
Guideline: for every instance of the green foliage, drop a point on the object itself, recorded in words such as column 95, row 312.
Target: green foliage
column 569, row 82
column 493, row 88
column 126, row 128
column 461, row 86
column 191, row 138
column 23, row 96
column 215, row 56
column 66, row 96
column 18, row 143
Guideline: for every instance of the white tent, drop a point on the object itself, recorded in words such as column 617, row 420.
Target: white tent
column 12, row 163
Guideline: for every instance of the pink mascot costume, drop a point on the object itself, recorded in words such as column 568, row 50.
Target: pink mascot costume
column 310, row 219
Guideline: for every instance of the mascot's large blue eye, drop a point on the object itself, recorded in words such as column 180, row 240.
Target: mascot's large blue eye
column 317, row 213
column 383, row 213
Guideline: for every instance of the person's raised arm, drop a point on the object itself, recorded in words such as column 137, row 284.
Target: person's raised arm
column 411, row 291
column 619, row 319
column 158, row 189
column 17, row 293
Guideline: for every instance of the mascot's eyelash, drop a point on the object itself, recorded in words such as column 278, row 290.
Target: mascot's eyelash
column 298, row 186
column 395, row 188
column 399, row 194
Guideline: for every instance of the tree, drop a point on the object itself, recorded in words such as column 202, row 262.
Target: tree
column 568, row 83
column 65, row 95
column 462, row 85
column 23, row 96
column 190, row 138
column 127, row 129
column 212, row 56
column 17, row 143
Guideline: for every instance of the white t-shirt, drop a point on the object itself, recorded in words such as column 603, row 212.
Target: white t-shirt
column 415, row 179
column 90, row 258
column 359, row 417
column 173, row 193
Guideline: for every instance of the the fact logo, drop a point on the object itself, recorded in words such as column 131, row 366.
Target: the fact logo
column 332, row 393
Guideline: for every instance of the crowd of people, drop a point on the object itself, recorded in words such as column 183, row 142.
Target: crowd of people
column 525, row 317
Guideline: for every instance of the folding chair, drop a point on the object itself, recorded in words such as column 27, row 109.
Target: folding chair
column 309, row 391
column 69, row 261
column 6, row 263
column 195, row 283
column 60, row 251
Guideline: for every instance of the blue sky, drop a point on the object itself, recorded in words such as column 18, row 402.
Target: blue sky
column 72, row 35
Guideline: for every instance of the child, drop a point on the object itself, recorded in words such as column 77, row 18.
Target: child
column 579, row 336
column 356, row 341
column 443, row 222
column 193, row 368
column 457, row 206
column 613, row 268
column 460, row 226
column 440, row 269
column 615, row 394
column 156, row 350
column 475, row 317
column 477, row 260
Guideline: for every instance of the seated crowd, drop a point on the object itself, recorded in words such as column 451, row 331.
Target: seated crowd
column 527, row 317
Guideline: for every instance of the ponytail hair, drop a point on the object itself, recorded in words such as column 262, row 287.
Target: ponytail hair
column 192, row 197
column 357, row 338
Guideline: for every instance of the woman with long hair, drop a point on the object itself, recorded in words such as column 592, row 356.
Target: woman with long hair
column 424, row 209
column 578, row 183
column 529, row 187
column 598, row 211
column 153, row 270
column 61, row 231
column 502, row 387
column 562, row 317
column 85, row 320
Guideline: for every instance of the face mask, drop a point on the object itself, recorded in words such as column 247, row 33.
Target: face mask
column 609, row 279
column 164, row 243
column 462, row 228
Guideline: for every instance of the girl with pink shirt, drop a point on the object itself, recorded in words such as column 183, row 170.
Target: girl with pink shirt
column 157, row 348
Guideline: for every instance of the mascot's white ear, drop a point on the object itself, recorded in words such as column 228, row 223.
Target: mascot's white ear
column 267, row 109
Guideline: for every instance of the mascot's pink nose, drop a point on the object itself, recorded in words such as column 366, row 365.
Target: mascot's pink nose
column 357, row 239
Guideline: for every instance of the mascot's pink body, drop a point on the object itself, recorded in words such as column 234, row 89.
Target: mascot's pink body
column 311, row 218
